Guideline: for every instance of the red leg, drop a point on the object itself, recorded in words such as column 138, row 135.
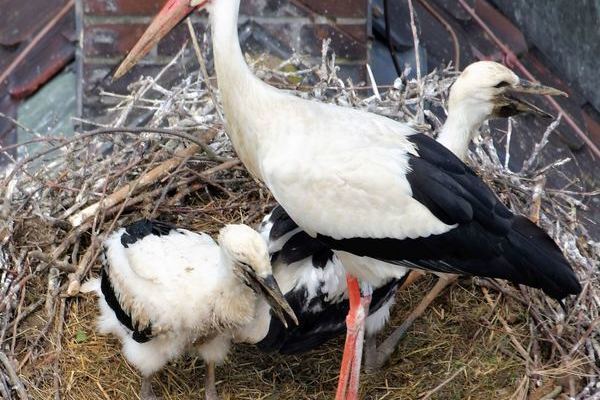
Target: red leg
column 352, row 393
column 351, row 360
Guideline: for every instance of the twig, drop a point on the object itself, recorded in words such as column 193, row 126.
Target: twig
column 413, row 27
column 508, row 139
column 444, row 383
column 143, row 181
column 373, row 83
column 58, row 348
column 14, row 378
column 61, row 265
column 508, row 329
column 96, row 132
column 536, row 199
column 203, row 69
column 529, row 163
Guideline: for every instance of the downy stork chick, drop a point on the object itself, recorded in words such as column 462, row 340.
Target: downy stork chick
column 383, row 197
column 166, row 291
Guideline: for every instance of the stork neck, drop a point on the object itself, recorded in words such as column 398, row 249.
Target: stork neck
column 458, row 131
column 237, row 84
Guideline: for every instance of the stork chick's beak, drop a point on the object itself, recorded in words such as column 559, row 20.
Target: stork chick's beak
column 276, row 299
column 270, row 290
column 507, row 105
column 170, row 15
column 534, row 88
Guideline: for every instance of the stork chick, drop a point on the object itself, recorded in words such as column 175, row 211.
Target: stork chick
column 383, row 197
column 166, row 291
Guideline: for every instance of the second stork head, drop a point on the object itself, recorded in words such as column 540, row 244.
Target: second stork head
column 488, row 89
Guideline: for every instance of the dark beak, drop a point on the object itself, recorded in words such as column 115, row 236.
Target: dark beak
column 270, row 290
column 507, row 104
column 534, row 88
column 276, row 299
column 170, row 15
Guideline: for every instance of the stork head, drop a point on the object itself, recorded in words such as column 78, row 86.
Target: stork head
column 488, row 89
column 248, row 253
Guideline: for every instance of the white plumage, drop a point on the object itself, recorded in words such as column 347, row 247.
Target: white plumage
column 381, row 195
column 313, row 281
column 165, row 292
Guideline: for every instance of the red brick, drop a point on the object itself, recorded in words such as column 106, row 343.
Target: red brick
column 122, row 7
column 110, row 40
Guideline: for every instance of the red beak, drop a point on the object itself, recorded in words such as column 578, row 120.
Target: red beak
column 170, row 15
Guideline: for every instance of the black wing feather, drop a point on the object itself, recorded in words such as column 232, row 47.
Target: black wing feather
column 489, row 240
column 139, row 335
column 144, row 227
column 316, row 328
column 282, row 223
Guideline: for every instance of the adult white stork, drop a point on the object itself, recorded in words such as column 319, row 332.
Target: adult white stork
column 311, row 276
column 382, row 196
column 166, row 291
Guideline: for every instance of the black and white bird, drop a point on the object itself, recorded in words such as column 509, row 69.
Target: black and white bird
column 313, row 281
column 383, row 197
column 166, row 291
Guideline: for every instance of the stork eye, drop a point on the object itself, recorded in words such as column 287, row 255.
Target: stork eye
column 502, row 84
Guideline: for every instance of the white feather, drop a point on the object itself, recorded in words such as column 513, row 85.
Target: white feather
column 183, row 285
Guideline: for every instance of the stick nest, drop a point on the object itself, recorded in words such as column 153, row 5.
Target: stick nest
column 60, row 200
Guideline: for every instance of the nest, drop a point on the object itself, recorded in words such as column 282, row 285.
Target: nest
column 59, row 202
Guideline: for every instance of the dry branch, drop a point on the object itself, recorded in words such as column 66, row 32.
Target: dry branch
column 133, row 187
column 14, row 377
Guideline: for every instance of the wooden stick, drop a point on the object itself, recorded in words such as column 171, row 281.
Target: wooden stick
column 60, row 265
column 12, row 374
column 75, row 277
column 203, row 69
column 441, row 385
column 143, row 181
column 536, row 199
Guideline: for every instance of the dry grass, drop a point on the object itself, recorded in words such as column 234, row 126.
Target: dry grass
column 460, row 330
column 506, row 345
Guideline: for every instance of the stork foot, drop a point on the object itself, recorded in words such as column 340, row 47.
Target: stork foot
column 210, row 388
column 376, row 357
column 147, row 393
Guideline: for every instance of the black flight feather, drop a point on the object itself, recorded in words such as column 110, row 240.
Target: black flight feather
column 489, row 241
